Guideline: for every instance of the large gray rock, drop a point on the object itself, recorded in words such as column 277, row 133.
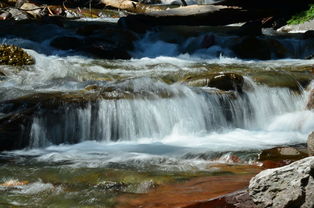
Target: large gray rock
column 291, row 186
column 310, row 144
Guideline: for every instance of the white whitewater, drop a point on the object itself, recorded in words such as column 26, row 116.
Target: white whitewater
column 170, row 126
column 188, row 111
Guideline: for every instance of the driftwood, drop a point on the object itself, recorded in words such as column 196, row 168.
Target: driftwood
column 131, row 6
column 194, row 15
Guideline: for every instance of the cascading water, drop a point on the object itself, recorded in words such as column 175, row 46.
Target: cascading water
column 84, row 130
column 187, row 110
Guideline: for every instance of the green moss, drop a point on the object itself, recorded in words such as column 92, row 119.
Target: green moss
column 302, row 16
column 13, row 55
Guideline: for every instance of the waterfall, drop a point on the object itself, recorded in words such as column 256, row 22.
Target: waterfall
column 188, row 110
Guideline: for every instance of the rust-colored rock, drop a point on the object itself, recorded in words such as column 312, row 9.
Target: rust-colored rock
column 192, row 192
column 280, row 156
column 238, row 199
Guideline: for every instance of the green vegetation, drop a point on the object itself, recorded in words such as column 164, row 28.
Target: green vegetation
column 302, row 16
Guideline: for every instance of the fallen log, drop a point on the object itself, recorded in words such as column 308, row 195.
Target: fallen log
column 194, row 15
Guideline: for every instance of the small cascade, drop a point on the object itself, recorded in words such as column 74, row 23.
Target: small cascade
column 187, row 110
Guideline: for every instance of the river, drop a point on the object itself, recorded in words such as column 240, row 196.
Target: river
column 124, row 126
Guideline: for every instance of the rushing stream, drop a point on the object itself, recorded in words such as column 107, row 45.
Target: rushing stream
column 101, row 127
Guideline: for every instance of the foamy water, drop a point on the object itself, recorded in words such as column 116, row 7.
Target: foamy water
column 170, row 122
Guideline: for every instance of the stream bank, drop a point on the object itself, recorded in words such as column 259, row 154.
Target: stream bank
column 106, row 116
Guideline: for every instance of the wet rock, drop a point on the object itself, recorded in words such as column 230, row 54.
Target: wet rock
column 189, row 193
column 208, row 41
column 13, row 55
column 227, row 81
column 288, row 186
column 308, row 34
column 101, row 41
column 310, row 57
column 251, row 28
column 101, row 49
column 281, row 78
column 15, row 130
column 310, row 102
column 281, row 153
column 110, row 42
column 280, row 156
column 112, row 186
column 67, row 43
column 252, row 48
column 238, row 199
column 310, row 144
column 277, row 48
column 54, row 111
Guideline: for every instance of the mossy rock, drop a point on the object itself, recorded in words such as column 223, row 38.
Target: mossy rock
column 13, row 55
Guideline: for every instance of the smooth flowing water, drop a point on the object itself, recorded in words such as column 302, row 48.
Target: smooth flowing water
column 127, row 125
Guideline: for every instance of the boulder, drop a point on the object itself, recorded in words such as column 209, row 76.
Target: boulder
column 227, row 82
column 250, row 47
column 285, row 187
column 13, row 55
column 310, row 144
column 310, row 102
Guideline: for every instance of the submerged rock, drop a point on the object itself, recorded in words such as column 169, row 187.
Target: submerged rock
column 310, row 144
column 13, row 55
column 288, row 186
column 238, row 199
column 283, row 78
column 280, row 156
